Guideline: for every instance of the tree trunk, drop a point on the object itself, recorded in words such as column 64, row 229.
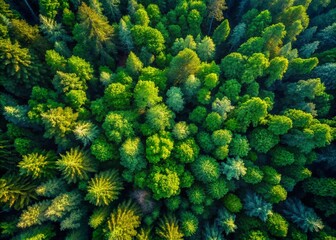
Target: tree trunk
column 31, row 10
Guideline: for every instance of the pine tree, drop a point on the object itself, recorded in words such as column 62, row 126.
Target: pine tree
column 16, row 192
column 99, row 216
column 255, row 206
column 94, row 36
column 86, row 132
column 205, row 169
column 132, row 154
column 104, row 188
column 19, row 66
column 62, row 205
column 212, row 232
column 233, row 168
column 58, row 122
column 304, row 217
column 206, row 49
column 53, row 30
column 37, row 165
column 168, row 229
column 226, row 221
column 75, row 165
column 51, row 188
column 123, row 222
column 34, row 214
column 175, row 99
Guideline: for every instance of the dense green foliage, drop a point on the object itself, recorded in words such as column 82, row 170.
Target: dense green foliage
column 167, row 120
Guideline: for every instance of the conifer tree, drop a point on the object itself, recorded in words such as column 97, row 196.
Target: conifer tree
column 94, row 35
column 104, row 188
column 168, row 229
column 75, row 165
column 123, row 221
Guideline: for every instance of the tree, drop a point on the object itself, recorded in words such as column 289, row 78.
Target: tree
column 51, row 188
column 324, row 187
column 273, row 36
column 33, row 215
column 141, row 17
column 103, row 150
column 251, row 112
column 276, row 70
column 215, row 11
column 328, row 35
column 259, row 23
column 300, row 66
column 159, row 117
column 175, row 99
column 149, row 38
column 117, row 127
column 194, row 20
column 196, row 194
column 131, row 154
column 325, row 73
column 304, row 217
column 233, row 168
column 16, row 192
column 75, row 165
column 221, row 32
column 232, row 65
column 111, row 9
column 117, row 96
column 20, row 67
column 237, row 35
column 308, row 49
column 218, row 188
column 133, row 65
column 181, row 131
column 155, row 75
column 93, row 35
column 255, row 206
column 223, row 106
column 180, row 44
column 206, row 49
column 53, row 31
column 186, row 151
column 125, row 36
column 212, row 232
column 86, row 132
column 239, row 146
column 295, row 19
column 205, row 169
column 251, row 46
column 185, row 63
column 277, row 225
column 58, row 122
column 189, row 223
column 159, row 146
column 164, row 183
column 213, row 121
column 262, row 140
column 104, row 188
column 232, row 203
column 65, row 82
column 168, row 229
column 254, row 67
column 37, row 165
column 226, row 221
column 50, row 8
column 123, row 221
column 300, row 119
column 146, row 94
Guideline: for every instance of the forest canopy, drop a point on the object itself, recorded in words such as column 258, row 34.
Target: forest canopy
column 167, row 120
